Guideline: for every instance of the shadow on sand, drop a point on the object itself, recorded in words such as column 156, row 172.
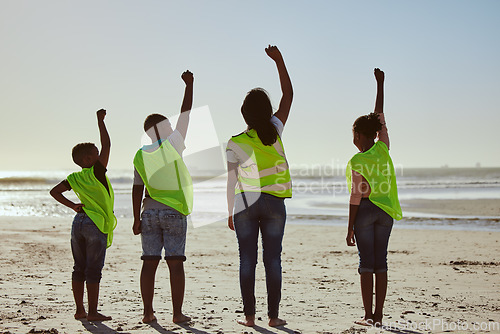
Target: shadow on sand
column 279, row 329
column 190, row 329
column 258, row 329
column 399, row 330
column 97, row 327
column 159, row 328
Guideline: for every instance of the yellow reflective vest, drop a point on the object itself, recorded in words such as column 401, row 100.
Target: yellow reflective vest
column 98, row 203
column 262, row 168
column 166, row 177
column 376, row 167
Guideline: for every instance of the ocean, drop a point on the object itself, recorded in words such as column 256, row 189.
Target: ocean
column 320, row 196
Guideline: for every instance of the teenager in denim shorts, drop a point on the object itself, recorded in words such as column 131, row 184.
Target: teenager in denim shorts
column 166, row 202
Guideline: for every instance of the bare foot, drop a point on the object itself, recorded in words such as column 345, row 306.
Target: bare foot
column 80, row 315
column 249, row 321
column 377, row 320
column 364, row 322
column 148, row 318
column 179, row 319
column 97, row 317
column 275, row 322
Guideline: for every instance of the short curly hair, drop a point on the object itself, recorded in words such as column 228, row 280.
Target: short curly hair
column 80, row 151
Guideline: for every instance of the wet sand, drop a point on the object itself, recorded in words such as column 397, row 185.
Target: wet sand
column 461, row 207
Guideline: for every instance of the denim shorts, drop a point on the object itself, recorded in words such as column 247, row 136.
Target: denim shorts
column 163, row 229
column 88, row 245
column 372, row 230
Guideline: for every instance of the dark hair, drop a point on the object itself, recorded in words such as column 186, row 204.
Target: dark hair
column 152, row 120
column 80, row 151
column 257, row 112
column 367, row 125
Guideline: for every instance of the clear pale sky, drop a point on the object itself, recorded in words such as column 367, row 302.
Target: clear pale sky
column 63, row 60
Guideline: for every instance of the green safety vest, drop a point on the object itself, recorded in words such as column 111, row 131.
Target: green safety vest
column 263, row 168
column 166, row 177
column 376, row 167
column 98, row 203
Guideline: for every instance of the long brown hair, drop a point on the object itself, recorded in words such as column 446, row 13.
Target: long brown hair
column 257, row 112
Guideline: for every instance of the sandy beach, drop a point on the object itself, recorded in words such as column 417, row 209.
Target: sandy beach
column 438, row 281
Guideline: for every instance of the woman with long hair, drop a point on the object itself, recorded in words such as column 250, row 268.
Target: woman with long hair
column 258, row 182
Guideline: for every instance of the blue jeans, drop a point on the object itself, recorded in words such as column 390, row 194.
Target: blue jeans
column 265, row 213
column 163, row 229
column 88, row 245
column 372, row 229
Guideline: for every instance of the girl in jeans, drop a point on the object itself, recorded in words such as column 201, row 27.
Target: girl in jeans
column 373, row 204
column 258, row 182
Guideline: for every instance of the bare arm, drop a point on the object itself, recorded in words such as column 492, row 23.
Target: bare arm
column 353, row 212
column 383, row 135
column 379, row 102
column 187, row 103
column 57, row 191
column 286, row 84
column 379, row 109
column 231, row 185
column 354, row 201
column 105, row 140
column 137, row 192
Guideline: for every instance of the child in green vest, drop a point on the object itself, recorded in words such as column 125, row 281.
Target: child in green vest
column 93, row 225
column 167, row 202
column 373, row 204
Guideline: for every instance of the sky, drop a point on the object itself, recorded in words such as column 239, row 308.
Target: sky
column 61, row 61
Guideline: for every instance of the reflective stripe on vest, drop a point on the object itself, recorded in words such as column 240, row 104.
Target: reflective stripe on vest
column 262, row 168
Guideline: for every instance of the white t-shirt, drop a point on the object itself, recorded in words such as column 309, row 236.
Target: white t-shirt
column 231, row 156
